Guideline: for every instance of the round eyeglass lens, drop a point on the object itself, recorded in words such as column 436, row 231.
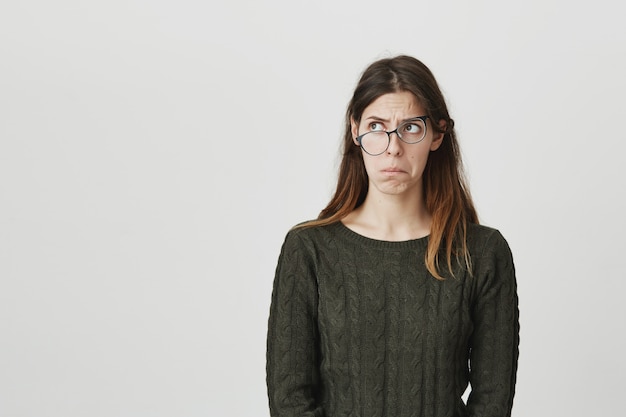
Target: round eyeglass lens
column 375, row 143
column 413, row 131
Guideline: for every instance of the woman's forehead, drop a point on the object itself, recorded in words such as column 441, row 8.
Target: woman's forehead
column 395, row 105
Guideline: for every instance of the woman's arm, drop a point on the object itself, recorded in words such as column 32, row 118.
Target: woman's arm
column 292, row 339
column 495, row 340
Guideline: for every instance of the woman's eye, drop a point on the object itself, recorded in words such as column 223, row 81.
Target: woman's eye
column 412, row 128
column 376, row 126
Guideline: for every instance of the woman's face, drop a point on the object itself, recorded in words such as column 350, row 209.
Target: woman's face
column 399, row 169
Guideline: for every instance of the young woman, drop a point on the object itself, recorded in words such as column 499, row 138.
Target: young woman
column 394, row 299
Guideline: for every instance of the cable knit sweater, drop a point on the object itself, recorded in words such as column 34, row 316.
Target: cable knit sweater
column 359, row 327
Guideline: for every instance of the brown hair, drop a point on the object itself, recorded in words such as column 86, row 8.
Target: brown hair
column 445, row 191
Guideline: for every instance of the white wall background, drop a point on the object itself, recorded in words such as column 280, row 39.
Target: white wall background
column 153, row 155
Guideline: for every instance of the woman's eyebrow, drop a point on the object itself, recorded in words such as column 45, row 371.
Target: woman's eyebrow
column 381, row 119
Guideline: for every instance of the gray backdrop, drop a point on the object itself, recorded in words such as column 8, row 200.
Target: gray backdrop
column 153, row 154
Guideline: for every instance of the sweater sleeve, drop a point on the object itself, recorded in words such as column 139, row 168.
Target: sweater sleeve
column 292, row 339
column 495, row 340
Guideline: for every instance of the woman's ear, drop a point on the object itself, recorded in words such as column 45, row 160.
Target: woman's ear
column 355, row 130
column 438, row 137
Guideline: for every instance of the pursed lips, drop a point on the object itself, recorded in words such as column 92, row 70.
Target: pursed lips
column 392, row 170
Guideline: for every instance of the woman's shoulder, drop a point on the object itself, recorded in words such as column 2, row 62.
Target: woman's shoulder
column 311, row 231
column 483, row 239
column 310, row 240
column 480, row 231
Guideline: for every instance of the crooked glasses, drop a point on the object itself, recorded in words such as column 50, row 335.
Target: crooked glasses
column 377, row 142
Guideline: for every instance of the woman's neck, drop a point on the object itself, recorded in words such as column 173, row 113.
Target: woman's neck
column 390, row 217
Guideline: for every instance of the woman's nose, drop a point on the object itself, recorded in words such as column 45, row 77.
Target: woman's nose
column 395, row 145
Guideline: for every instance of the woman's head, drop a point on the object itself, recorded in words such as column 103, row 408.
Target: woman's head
column 398, row 74
column 445, row 192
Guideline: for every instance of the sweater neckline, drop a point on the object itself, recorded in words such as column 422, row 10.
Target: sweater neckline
column 345, row 231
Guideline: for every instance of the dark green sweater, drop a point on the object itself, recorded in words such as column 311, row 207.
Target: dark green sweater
column 358, row 327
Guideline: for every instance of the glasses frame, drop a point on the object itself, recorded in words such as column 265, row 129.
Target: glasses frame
column 359, row 138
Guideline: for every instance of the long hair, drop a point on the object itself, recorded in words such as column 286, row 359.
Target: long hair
column 445, row 189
